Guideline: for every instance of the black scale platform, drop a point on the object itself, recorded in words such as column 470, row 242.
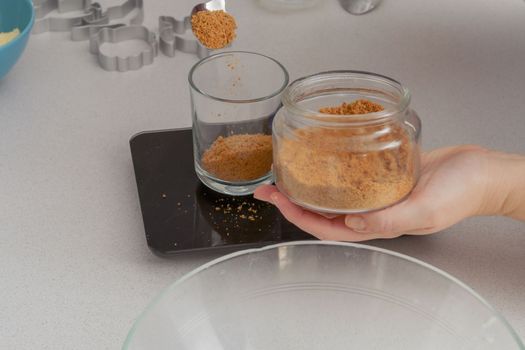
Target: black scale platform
column 182, row 215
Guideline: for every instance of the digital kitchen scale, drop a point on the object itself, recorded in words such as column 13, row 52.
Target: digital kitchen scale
column 180, row 214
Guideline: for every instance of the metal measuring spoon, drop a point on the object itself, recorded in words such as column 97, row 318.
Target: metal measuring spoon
column 212, row 5
column 359, row 7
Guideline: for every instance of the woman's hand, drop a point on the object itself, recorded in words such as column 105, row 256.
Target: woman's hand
column 455, row 183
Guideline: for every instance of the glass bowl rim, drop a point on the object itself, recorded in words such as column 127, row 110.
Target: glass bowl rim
column 391, row 253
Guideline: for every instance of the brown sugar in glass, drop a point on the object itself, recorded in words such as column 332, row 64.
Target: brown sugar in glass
column 346, row 142
column 239, row 157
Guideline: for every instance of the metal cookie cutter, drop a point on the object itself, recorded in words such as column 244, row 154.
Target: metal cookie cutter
column 43, row 7
column 170, row 42
column 80, row 25
column 72, row 5
column 116, row 35
column 84, row 32
column 61, row 24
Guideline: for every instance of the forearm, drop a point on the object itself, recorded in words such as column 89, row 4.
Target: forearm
column 506, row 189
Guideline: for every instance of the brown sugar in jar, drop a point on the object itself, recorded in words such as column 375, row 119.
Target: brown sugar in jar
column 345, row 164
column 316, row 168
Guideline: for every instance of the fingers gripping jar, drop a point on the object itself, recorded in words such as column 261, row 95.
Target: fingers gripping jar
column 331, row 161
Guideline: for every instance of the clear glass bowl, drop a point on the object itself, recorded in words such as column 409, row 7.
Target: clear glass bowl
column 320, row 295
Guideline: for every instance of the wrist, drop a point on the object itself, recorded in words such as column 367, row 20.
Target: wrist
column 505, row 178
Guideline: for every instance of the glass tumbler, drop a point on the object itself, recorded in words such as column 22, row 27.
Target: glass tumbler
column 234, row 97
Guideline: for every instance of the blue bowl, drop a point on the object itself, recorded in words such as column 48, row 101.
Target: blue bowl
column 14, row 14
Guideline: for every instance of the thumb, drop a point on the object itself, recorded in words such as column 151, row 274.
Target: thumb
column 405, row 217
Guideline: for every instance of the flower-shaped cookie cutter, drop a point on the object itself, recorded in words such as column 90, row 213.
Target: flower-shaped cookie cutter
column 170, row 42
column 120, row 34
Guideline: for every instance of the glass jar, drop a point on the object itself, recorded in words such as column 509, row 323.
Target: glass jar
column 234, row 97
column 346, row 163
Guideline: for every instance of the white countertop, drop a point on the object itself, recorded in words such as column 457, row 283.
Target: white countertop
column 75, row 270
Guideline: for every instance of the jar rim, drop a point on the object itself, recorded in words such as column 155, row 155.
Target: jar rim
column 286, row 77
column 289, row 102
